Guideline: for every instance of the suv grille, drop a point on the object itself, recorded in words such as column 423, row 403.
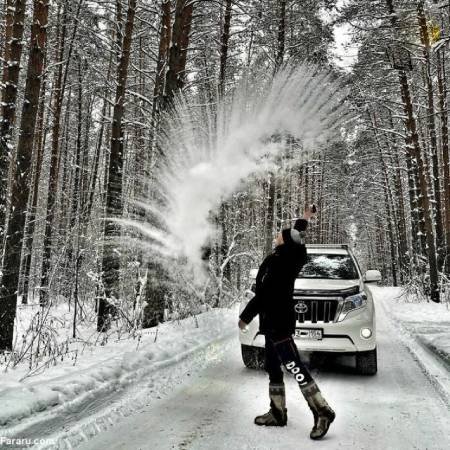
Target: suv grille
column 316, row 309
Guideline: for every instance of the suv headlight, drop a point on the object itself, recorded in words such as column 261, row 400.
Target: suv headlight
column 351, row 303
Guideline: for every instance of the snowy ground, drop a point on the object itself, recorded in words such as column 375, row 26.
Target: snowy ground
column 428, row 323
column 101, row 373
column 207, row 399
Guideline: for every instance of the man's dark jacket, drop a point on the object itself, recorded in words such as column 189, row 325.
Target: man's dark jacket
column 274, row 289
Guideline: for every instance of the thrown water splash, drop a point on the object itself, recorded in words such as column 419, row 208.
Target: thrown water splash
column 210, row 152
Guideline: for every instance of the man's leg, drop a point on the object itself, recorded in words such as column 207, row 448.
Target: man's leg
column 287, row 353
column 272, row 363
column 323, row 414
column 277, row 415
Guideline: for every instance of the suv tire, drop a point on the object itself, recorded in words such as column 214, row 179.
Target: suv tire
column 366, row 362
column 253, row 357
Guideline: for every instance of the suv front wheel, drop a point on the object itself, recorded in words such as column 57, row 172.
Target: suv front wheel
column 366, row 362
column 253, row 357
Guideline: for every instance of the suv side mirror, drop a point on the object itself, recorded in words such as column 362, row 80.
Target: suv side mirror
column 372, row 276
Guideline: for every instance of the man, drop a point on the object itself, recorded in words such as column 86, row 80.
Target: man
column 275, row 306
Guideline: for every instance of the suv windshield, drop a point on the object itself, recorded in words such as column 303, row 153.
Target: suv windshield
column 333, row 267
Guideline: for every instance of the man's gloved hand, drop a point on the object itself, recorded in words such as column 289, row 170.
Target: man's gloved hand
column 309, row 212
column 242, row 325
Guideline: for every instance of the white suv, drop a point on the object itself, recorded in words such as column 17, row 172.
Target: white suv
column 334, row 308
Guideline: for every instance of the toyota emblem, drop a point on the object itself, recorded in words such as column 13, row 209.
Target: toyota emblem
column 301, row 307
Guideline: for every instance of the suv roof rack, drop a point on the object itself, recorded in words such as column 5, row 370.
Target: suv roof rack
column 345, row 246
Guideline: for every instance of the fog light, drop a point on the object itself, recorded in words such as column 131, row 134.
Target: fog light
column 366, row 333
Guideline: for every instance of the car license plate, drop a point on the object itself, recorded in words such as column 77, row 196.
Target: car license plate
column 305, row 333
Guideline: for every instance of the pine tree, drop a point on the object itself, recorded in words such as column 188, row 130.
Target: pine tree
column 21, row 181
column 111, row 261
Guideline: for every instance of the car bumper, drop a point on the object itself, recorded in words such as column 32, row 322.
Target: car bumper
column 342, row 337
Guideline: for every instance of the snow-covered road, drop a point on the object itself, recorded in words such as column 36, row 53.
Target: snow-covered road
column 399, row 408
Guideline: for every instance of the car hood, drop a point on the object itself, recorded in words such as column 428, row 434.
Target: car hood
column 321, row 284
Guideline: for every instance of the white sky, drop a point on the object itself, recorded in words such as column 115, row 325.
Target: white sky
column 344, row 52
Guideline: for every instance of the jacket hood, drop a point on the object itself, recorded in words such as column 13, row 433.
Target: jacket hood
column 288, row 247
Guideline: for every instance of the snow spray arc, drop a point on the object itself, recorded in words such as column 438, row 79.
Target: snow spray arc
column 210, row 151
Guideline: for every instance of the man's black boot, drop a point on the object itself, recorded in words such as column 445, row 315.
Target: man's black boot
column 323, row 414
column 277, row 415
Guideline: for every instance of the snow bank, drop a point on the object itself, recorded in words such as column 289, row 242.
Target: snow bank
column 409, row 309
column 428, row 322
column 109, row 367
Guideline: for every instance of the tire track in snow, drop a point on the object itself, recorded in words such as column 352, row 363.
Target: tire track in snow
column 85, row 417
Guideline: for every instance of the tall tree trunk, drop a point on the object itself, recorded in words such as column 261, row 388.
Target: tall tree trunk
column 443, row 113
column 401, row 224
column 58, row 96
column 175, row 77
column 119, row 30
column 85, row 174
column 10, row 79
column 224, row 45
column 424, row 35
column 388, row 203
column 270, row 212
column 415, row 153
column 398, row 206
column 423, row 202
column 60, row 86
column 21, row 182
column 9, row 23
column 165, row 34
column 279, row 59
column 281, row 38
column 75, row 207
column 111, row 261
column 31, row 218
column 225, row 38
column 272, row 183
column 98, row 148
